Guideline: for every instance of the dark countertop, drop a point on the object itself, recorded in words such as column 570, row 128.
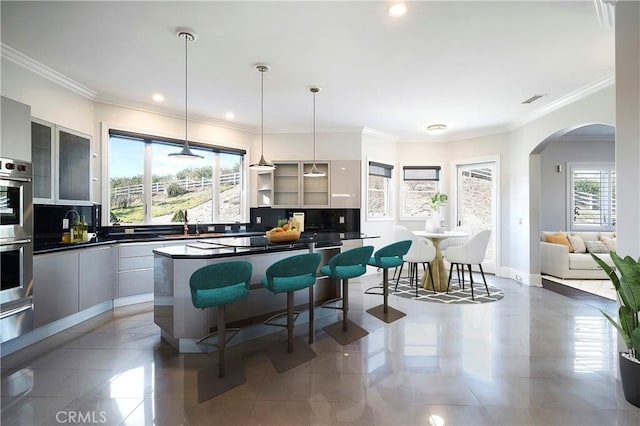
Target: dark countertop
column 42, row 247
column 244, row 245
column 233, row 242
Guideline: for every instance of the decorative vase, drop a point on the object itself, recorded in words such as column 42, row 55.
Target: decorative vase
column 433, row 222
column 630, row 377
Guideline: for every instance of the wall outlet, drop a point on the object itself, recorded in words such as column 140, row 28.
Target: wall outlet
column 129, row 231
column 341, row 219
column 227, row 227
column 258, row 219
column 211, row 228
column 65, row 223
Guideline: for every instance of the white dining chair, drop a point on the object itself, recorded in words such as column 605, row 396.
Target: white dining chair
column 421, row 251
column 471, row 253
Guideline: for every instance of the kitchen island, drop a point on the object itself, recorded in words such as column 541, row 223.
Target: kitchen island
column 182, row 325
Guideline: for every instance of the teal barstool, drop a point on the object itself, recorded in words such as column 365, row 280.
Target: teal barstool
column 387, row 257
column 349, row 264
column 218, row 285
column 287, row 276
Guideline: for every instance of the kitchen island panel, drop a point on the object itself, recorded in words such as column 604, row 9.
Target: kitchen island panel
column 182, row 324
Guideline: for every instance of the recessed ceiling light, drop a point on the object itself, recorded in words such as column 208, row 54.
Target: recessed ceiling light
column 437, row 129
column 229, row 116
column 398, row 9
column 158, row 97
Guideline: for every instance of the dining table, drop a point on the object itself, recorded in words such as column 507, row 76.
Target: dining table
column 438, row 269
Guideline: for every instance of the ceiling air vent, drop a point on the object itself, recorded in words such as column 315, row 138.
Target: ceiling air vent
column 532, row 99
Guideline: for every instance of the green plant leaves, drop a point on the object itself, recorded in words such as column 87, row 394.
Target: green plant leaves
column 627, row 284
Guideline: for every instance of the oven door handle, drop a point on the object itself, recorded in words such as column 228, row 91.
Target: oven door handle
column 7, row 179
column 14, row 244
column 16, row 311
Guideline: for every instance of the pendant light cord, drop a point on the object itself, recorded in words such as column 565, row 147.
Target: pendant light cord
column 314, row 129
column 186, row 91
column 262, row 113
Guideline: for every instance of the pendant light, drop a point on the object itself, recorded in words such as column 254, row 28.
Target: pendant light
column 262, row 165
column 314, row 172
column 186, row 152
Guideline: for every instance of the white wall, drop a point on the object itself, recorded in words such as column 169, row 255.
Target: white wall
column 49, row 101
column 628, row 126
column 553, row 188
column 379, row 148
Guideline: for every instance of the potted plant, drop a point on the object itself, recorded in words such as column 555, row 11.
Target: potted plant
column 627, row 286
column 433, row 219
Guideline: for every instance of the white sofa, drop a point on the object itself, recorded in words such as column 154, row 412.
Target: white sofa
column 557, row 261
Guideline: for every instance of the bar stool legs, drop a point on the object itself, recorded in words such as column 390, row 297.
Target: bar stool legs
column 296, row 352
column 213, row 382
column 385, row 312
column 345, row 331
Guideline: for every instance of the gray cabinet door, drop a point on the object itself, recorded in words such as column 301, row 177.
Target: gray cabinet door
column 42, row 158
column 97, row 276
column 55, row 286
column 74, row 166
column 345, row 184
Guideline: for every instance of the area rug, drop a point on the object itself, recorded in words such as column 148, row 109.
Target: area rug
column 455, row 296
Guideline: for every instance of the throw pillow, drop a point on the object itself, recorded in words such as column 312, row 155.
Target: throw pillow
column 559, row 238
column 577, row 243
column 609, row 242
column 596, row 247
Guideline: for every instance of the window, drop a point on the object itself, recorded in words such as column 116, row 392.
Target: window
column 419, row 183
column 592, row 196
column 379, row 192
column 146, row 186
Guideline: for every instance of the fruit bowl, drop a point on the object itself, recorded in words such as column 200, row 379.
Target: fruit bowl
column 282, row 236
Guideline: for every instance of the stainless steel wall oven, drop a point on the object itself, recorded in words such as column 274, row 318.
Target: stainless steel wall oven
column 16, row 247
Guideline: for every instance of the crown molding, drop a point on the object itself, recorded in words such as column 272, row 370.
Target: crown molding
column 193, row 119
column 370, row 131
column 42, row 70
column 572, row 97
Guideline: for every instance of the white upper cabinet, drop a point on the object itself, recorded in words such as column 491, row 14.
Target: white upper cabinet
column 15, row 136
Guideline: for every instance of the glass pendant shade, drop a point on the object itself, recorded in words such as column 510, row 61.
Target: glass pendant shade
column 186, row 151
column 262, row 165
column 314, row 172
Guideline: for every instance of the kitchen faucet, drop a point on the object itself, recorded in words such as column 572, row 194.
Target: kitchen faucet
column 186, row 223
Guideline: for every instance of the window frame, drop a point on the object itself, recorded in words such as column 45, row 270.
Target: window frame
column 388, row 191
column 606, row 166
column 109, row 129
column 438, row 179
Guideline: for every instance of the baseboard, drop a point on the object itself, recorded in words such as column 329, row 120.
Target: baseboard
column 54, row 327
column 533, row 280
column 132, row 300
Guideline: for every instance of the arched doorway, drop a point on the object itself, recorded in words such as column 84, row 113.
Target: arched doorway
column 556, row 176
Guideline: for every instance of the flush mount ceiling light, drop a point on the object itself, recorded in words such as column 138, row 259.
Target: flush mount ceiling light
column 262, row 165
column 314, row 172
column 229, row 116
column 186, row 152
column 397, row 9
column 158, row 97
column 437, row 129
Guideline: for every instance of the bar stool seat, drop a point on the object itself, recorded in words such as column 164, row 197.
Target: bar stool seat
column 287, row 276
column 387, row 257
column 349, row 264
column 218, row 285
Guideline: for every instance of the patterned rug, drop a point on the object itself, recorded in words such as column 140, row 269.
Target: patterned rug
column 456, row 294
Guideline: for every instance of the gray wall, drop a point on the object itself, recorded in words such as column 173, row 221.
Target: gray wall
column 553, row 193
